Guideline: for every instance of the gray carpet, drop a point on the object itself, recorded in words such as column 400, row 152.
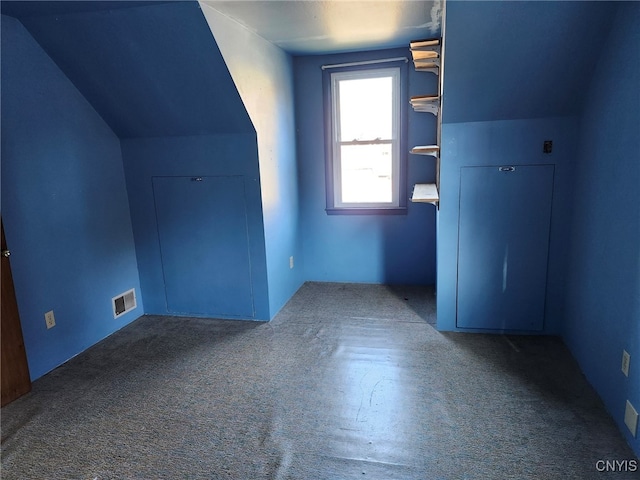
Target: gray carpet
column 348, row 381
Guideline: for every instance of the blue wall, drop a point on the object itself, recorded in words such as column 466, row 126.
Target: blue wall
column 500, row 112
column 263, row 75
column 525, row 59
column 507, row 88
column 210, row 155
column 394, row 249
column 155, row 72
column 505, row 142
column 156, row 75
column 64, row 206
column 603, row 302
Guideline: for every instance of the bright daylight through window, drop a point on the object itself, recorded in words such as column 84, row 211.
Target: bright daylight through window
column 365, row 124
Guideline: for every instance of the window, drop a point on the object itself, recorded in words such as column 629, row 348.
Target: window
column 365, row 167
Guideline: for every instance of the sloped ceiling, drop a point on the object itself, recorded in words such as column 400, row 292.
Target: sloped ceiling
column 150, row 71
column 31, row 8
column 510, row 60
column 154, row 69
column 331, row 26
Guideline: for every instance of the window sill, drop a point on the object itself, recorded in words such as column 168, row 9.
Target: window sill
column 367, row 211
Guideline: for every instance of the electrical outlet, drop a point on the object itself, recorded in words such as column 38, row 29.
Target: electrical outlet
column 631, row 418
column 49, row 319
column 626, row 359
column 291, row 262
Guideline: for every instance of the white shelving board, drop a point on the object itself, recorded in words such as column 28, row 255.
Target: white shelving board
column 425, row 193
column 426, row 58
column 433, row 150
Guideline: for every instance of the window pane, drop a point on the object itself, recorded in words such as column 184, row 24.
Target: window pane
column 366, row 109
column 366, row 173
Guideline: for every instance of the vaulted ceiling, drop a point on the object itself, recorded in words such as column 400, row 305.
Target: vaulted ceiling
column 150, row 70
column 524, row 59
column 153, row 68
column 329, row 26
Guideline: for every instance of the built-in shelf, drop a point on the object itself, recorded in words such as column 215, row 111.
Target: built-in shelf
column 426, row 103
column 426, row 58
column 427, row 66
column 426, row 55
column 433, row 150
column 417, row 44
column 425, row 193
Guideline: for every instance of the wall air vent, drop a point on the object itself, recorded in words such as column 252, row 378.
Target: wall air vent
column 123, row 303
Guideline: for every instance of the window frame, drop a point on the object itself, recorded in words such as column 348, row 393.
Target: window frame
column 332, row 163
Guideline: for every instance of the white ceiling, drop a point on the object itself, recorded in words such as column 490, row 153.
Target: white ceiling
column 327, row 26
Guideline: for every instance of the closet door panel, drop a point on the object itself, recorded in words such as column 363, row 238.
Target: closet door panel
column 505, row 215
column 204, row 243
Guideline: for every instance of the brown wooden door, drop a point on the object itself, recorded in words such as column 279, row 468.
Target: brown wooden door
column 15, row 370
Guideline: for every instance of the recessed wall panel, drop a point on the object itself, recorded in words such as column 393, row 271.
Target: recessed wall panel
column 202, row 230
column 505, row 214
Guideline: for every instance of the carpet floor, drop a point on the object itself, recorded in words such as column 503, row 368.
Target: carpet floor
column 348, row 381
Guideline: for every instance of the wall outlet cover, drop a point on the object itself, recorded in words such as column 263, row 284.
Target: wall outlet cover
column 626, row 359
column 50, row 319
column 631, row 418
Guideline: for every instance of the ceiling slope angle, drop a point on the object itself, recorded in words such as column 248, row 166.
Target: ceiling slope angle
column 151, row 70
column 514, row 60
column 330, row 26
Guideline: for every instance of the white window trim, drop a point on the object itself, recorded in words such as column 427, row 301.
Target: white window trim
column 336, row 77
